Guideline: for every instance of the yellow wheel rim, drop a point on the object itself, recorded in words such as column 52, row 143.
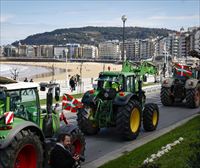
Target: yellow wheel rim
column 155, row 117
column 135, row 120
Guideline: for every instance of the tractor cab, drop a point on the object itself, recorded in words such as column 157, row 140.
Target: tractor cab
column 21, row 99
column 119, row 81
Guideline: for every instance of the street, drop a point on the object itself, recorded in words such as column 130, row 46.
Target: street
column 108, row 140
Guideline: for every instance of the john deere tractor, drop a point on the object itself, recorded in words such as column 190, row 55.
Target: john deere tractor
column 27, row 132
column 183, row 86
column 119, row 101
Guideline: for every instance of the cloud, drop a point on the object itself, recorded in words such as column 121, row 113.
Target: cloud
column 5, row 18
column 174, row 17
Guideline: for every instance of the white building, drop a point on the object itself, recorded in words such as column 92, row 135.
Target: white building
column 109, row 50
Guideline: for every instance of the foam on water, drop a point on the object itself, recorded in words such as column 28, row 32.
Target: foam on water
column 24, row 71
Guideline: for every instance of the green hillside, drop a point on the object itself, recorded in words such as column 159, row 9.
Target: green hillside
column 91, row 35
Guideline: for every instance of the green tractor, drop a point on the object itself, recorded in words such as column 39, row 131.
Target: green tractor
column 119, row 101
column 27, row 132
column 183, row 86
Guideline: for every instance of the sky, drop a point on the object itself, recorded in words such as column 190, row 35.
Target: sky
column 21, row 18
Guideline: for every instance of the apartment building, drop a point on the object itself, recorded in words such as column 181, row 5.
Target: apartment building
column 146, row 49
column 197, row 41
column 46, row 51
column 60, row 51
column 22, row 50
column 89, row 51
column 175, row 44
column 109, row 50
column 73, row 50
column 10, row 51
column 1, row 51
column 132, row 49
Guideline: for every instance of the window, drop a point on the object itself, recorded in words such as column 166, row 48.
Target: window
column 24, row 104
column 130, row 84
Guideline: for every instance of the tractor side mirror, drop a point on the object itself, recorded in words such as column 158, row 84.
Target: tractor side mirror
column 57, row 93
column 42, row 88
column 144, row 78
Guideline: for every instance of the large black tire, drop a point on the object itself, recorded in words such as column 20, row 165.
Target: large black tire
column 150, row 117
column 25, row 151
column 192, row 98
column 128, row 120
column 78, row 142
column 87, row 126
column 165, row 96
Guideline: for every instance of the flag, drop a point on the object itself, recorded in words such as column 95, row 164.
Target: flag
column 183, row 70
column 69, row 103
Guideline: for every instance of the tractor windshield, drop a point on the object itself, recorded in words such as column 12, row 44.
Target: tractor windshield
column 2, row 102
column 24, row 104
column 109, row 81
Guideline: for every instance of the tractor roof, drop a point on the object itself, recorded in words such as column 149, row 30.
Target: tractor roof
column 116, row 73
column 10, row 84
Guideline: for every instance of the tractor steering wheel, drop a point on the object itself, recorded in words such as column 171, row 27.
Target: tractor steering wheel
column 21, row 112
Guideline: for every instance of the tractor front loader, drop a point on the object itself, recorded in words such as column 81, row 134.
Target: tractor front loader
column 119, row 101
column 27, row 132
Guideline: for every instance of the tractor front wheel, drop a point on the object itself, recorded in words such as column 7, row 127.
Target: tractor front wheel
column 165, row 96
column 25, row 151
column 86, row 125
column 128, row 119
column 150, row 117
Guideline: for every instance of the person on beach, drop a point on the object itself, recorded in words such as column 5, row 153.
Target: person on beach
column 72, row 84
column 26, row 80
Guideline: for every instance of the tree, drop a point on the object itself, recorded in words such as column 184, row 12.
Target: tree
column 14, row 73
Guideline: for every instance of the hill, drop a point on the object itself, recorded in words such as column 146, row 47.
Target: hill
column 91, row 35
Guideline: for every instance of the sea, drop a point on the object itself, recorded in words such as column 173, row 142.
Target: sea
column 23, row 71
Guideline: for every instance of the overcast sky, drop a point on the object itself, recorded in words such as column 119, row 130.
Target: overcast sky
column 21, row 18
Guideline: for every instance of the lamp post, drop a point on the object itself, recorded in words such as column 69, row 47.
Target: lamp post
column 124, row 18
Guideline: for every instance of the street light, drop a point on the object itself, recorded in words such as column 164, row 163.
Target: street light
column 124, row 18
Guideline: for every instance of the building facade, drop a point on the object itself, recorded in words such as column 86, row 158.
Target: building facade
column 109, row 50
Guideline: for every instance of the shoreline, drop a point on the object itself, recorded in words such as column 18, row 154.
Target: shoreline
column 85, row 69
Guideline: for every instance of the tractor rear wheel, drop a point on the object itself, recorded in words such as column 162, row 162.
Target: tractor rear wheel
column 166, row 98
column 193, row 98
column 150, row 117
column 128, row 119
column 86, row 125
column 25, row 151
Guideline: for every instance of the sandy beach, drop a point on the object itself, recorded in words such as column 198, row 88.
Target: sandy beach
column 89, row 70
